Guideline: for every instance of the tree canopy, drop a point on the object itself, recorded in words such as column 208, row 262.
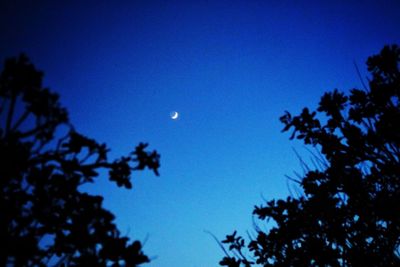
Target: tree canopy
column 45, row 219
column 348, row 213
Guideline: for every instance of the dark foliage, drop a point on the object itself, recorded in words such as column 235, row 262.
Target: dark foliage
column 349, row 213
column 45, row 219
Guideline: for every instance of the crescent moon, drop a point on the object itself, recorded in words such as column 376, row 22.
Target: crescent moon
column 174, row 115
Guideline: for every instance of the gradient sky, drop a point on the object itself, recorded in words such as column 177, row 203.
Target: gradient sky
column 230, row 68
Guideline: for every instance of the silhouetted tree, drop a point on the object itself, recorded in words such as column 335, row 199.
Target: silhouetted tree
column 45, row 219
column 349, row 211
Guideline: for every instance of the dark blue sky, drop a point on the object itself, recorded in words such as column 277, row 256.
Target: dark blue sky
column 230, row 68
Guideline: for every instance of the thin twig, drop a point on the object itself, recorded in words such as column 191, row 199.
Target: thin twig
column 21, row 120
column 218, row 242
column 359, row 76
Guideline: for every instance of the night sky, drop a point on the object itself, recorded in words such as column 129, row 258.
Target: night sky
column 230, row 68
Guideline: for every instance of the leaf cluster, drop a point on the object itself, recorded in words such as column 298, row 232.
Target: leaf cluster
column 45, row 218
column 349, row 214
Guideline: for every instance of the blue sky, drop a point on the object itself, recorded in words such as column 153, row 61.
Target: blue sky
column 230, row 68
